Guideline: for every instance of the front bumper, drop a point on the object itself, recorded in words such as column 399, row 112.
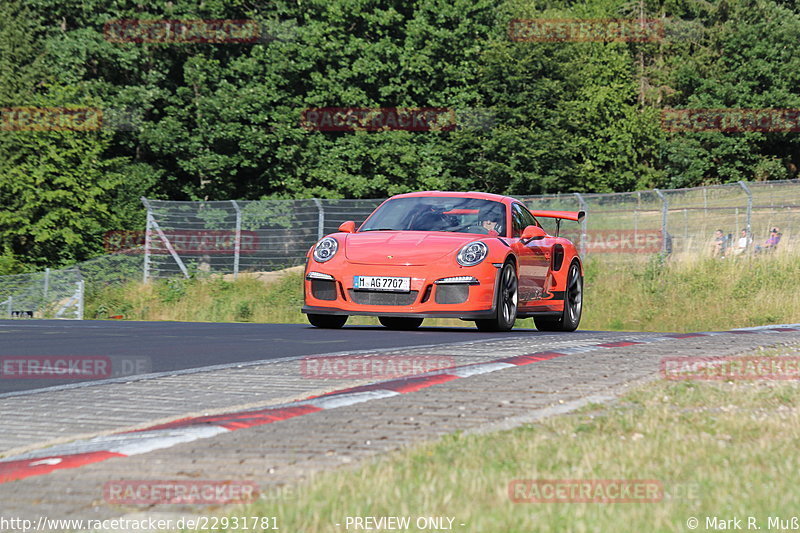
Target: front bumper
column 426, row 299
column 464, row 315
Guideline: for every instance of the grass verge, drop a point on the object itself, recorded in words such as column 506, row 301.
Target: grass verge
column 635, row 295
column 718, row 450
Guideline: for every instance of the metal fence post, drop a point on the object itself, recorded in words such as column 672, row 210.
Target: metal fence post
column 147, row 233
column 10, row 305
column 80, row 299
column 585, row 208
column 165, row 240
column 749, row 194
column 664, row 213
column 321, row 223
column 686, row 224
column 45, row 290
column 237, row 241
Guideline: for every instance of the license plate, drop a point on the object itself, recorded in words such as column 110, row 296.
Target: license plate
column 382, row 283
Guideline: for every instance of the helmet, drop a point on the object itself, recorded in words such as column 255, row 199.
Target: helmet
column 493, row 213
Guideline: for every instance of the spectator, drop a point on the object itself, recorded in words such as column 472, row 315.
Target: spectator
column 720, row 244
column 743, row 243
column 772, row 242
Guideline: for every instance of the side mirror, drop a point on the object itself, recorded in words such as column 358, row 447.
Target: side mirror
column 531, row 233
column 348, row 227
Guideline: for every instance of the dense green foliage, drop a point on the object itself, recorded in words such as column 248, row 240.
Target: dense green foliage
column 220, row 121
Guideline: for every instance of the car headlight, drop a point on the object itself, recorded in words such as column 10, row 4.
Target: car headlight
column 472, row 254
column 325, row 249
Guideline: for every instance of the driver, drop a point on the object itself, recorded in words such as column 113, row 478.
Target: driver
column 490, row 225
column 490, row 221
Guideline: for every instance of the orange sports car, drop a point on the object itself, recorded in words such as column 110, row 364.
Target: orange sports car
column 473, row 256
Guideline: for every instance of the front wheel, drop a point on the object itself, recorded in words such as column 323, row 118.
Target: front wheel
column 327, row 321
column 573, row 305
column 507, row 300
column 400, row 322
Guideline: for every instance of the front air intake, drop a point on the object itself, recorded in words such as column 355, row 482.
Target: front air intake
column 383, row 298
column 451, row 294
column 323, row 289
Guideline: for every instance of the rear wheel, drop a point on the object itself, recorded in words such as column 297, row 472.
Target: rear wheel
column 573, row 305
column 327, row 321
column 507, row 300
column 398, row 322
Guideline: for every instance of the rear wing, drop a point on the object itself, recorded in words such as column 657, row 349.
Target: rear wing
column 577, row 216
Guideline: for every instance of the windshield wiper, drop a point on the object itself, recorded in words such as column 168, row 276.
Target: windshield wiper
column 380, row 229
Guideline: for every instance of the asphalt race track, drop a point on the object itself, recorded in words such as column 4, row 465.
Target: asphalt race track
column 135, row 348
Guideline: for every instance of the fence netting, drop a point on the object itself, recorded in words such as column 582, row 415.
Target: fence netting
column 229, row 237
column 49, row 294
column 680, row 221
column 60, row 293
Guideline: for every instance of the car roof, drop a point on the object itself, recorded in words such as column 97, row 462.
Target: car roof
column 470, row 194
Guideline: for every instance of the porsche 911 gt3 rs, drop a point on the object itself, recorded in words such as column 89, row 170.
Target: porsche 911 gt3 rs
column 473, row 256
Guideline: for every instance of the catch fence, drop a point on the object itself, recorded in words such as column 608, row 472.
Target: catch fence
column 232, row 237
column 229, row 237
column 681, row 221
column 60, row 293
column 185, row 238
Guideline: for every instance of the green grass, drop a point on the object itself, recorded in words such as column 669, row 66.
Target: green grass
column 212, row 300
column 639, row 294
column 204, row 300
column 718, row 449
column 691, row 295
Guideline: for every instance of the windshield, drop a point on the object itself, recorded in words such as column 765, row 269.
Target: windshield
column 439, row 213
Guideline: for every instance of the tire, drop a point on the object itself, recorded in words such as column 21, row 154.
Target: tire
column 400, row 323
column 573, row 305
column 327, row 321
column 507, row 302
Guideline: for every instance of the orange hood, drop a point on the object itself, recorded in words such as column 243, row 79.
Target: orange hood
column 404, row 247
